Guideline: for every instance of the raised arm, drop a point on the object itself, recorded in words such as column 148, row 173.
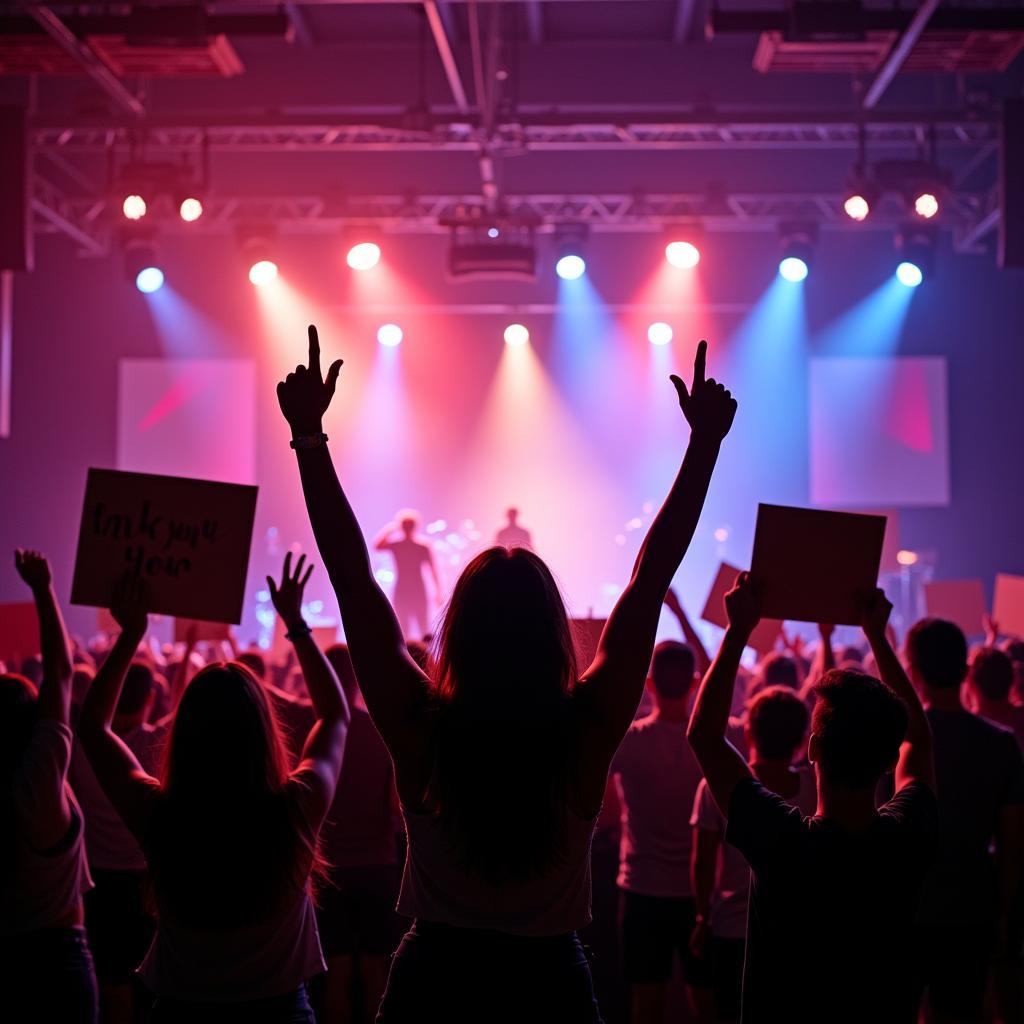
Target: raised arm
column 614, row 682
column 126, row 783
column 722, row 764
column 393, row 686
column 382, row 542
column 915, row 763
column 700, row 655
column 325, row 744
column 55, row 692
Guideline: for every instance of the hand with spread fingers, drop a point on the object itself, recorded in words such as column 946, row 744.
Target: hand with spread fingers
column 287, row 596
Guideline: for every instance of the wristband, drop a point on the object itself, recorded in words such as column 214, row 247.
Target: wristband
column 298, row 631
column 304, row 441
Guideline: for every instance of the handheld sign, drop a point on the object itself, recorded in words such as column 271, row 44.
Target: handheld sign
column 187, row 539
column 767, row 631
column 19, row 633
column 813, row 566
column 959, row 601
column 1008, row 604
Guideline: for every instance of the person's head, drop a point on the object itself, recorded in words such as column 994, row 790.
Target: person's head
column 408, row 522
column 991, row 674
column 857, row 727
column 776, row 725
column 513, row 516
column 341, row 661
column 224, row 849
column 672, row 672
column 850, row 656
column 254, row 661
column 936, row 652
column 505, row 663
column 137, row 694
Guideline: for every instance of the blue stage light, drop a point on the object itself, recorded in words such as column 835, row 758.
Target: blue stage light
column 570, row 267
column 792, row 268
column 149, row 279
column 909, row 274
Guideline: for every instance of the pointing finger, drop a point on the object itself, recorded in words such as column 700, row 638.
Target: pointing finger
column 700, row 363
column 314, row 350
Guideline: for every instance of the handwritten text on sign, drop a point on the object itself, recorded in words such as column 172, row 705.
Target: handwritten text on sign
column 188, row 539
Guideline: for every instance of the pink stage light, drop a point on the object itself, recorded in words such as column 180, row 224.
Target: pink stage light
column 363, row 256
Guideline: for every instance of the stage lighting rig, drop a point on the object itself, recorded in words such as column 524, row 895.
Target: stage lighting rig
column 915, row 251
column 491, row 248
column 797, row 242
column 570, row 242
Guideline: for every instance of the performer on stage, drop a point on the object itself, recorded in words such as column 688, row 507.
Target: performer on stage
column 512, row 535
column 411, row 555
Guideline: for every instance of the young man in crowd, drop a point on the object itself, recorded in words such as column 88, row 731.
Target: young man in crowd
column 833, row 898
column 991, row 680
column 965, row 914
column 776, row 730
column 656, row 778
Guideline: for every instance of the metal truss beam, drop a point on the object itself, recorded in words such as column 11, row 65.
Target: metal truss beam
column 553, row 133
column 80, row 219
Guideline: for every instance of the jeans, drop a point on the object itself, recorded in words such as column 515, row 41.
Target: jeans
column 48, row 975
column 291, row 1008
column 441, row 973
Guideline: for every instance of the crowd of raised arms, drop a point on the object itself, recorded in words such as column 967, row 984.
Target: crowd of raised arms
column 398, row 831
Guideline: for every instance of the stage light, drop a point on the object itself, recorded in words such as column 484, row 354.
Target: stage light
column 516, row 334
column 793, row 268
column 906, row 558
column 684, row 255
column 149, row 279
column 389, row 335
column 926, row 205
column 363, row 256
column 190, row 209
column 263, row 272
column 659, row 333
column 134, row 206
column 493, row 232
column 856, row 207
column 570, row 267
column 909, row 274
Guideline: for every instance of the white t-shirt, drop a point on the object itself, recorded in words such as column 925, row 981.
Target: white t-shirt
column 656, row 776
column 732, row 886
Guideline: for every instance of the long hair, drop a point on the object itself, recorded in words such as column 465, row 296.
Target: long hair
column 505, row 668
column 18, row 705
column 223, row 848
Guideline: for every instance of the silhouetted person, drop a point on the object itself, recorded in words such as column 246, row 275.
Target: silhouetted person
column 965, row 914
column 229, row 832
column 501, row 758
column 776, row 729
column 120, row 927
column 833, row 898
column 46, row 969
column 358, row 923
column 655, row 774
column 411, row 557
column 512, row 535
column 991, row 679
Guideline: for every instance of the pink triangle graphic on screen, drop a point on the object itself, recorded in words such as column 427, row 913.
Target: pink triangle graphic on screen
column 908, row 416
column 183, row 390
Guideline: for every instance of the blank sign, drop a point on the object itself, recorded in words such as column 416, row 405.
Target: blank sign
column 879, row 432
column 188, row 417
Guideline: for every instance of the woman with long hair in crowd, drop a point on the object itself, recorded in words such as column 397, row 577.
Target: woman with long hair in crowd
column 501, row 758
column 46, row 969
column 230, row 835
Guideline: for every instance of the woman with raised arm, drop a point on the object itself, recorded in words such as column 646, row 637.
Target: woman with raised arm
column 229, row 834
column 46, row 969
column 501, row 757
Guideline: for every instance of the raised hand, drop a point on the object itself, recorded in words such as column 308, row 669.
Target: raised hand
column 742, row 605
column 128, row 607
column 707, row 406
column 287, row 597
column 672, row 602
column 875, row 617
column 33, row 568
column 305, row 395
